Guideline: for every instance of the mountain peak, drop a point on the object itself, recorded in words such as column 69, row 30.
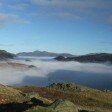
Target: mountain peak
column 38, row 53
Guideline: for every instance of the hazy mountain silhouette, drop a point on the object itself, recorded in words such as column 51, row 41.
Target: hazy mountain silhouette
column 44, row 54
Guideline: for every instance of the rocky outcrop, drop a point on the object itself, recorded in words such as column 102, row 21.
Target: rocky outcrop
column 63, row 106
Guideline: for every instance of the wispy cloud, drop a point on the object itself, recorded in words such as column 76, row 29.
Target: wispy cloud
column 75, row 3
column 20, row 7
column 14, row 4
column 97, row 10
column 7, row 18
column 94, row 10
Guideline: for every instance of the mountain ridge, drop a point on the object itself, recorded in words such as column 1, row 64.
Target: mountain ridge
column 38, row 53
column 93, row 57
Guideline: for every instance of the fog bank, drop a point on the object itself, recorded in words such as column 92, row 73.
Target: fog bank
column 47, row 71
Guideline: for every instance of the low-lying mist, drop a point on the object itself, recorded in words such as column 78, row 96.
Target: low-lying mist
column 42, row 72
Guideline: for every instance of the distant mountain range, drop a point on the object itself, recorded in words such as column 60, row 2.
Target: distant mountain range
column 44, row 54
column 94, row 57
column 98, row 57
column 5, row 55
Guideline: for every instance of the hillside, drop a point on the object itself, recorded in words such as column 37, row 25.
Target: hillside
column 10, row 95
column 101, row 57
column 5, row 55
column 44, row 54
column 54, row 98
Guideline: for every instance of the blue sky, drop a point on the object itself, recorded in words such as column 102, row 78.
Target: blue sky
column 73, row 26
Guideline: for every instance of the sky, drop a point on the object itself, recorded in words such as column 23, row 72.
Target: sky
column 71, row 26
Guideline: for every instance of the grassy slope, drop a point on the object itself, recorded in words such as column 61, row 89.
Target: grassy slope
column 38, row 99
column 82, row 97
column 9, row 95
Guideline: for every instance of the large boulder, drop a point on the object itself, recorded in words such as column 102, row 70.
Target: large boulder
column 63, row 106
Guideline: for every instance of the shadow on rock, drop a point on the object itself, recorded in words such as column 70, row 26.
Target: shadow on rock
column 21, row 107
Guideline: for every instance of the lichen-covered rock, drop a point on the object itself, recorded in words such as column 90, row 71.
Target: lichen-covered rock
column 63, row 106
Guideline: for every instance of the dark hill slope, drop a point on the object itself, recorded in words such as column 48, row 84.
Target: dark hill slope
column 101, row 57
column 5, row 55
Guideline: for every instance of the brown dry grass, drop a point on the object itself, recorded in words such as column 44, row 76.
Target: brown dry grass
column 87, row 99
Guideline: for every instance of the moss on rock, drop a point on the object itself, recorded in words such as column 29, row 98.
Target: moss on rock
column 63, row 106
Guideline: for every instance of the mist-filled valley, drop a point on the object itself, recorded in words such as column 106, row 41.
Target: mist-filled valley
column 55, row 55
column 41, row 71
